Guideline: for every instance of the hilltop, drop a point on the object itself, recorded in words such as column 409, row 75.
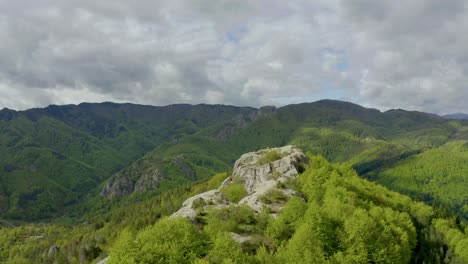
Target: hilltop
column 277, row 206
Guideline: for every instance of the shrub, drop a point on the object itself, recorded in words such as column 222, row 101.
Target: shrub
column 234, row 192
column 273, row 196
column 269, row 157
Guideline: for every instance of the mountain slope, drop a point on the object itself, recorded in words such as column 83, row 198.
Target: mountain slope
column 437, row 175
column 335, row 217
column 342, row 132
column 52, row 157
column 457, row 116
column 58, row 160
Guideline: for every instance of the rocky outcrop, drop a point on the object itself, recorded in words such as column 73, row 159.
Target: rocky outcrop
column 192, row 205
column 121, row 184
column 142, row 177
column 263, row 174
column 118, row 186
column 149, row 181
column 256, row 170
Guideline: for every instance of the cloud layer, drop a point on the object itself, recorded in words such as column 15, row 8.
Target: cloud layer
column 384, row 54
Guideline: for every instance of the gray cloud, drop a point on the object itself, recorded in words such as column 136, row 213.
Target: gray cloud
column 379, row 53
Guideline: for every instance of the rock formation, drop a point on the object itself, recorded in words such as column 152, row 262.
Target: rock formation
column 118, row 186
column 263, row 174
column 142, row 177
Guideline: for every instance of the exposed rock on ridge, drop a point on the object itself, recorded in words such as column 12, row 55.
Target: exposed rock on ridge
column 261, row 173
column 143, row 177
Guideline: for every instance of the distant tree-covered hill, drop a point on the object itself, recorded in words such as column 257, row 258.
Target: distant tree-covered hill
column 336, row 217
column 52, row 158
column 71, row 160
column 459, row 116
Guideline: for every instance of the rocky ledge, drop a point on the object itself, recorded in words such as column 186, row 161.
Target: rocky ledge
column 263, row 174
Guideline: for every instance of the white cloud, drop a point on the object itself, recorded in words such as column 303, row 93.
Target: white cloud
column 380, row 53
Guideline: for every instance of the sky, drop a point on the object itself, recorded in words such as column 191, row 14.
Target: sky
column 382, row 54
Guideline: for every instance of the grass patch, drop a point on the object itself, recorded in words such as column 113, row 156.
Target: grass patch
column 270, row 157
column 234, row 192
column 273, row 196
column 198, row 204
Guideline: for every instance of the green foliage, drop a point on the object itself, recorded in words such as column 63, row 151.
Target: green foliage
column 225, row 250
column 234, row 191
column 169, row 241
column 343, row 219
column 55, row 160
column 283, row 228
column 435, row 176
column 32, row 242
column 239, row 219
column 302, row 248
column 454, row 238
column 273, row 196
column 270, row 156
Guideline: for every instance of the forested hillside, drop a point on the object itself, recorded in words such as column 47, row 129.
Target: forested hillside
column 63, row 162
column 340, row 218
column 52, row 158
column 367, row 139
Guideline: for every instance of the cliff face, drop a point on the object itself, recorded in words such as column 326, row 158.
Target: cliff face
column 143, row 177
column 263, row 175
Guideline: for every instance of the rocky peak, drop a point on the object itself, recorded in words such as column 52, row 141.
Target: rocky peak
column 269, row 166
column 261, row 173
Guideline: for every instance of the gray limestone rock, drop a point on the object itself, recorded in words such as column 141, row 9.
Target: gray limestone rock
column 149, row 181
column 262, row 173
column 53, row 251
column 118, row 186
column 192, row 205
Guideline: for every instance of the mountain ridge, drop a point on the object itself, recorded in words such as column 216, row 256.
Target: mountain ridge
column 462, row 116
column 50, row 151
column 363, row 162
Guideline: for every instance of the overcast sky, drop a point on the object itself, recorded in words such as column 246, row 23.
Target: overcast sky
column 383, row 54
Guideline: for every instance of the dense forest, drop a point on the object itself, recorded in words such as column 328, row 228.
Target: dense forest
column 341, row 218
column 79, row 183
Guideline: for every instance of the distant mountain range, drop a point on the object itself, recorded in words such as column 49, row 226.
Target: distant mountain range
column 56, row 159
column 93, row 170
column 459, row 116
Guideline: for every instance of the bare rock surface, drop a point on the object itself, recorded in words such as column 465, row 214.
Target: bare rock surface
column 143, row 177
column 262, row 173
column 190, row 207
column 149, row 181
column 118, row 186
